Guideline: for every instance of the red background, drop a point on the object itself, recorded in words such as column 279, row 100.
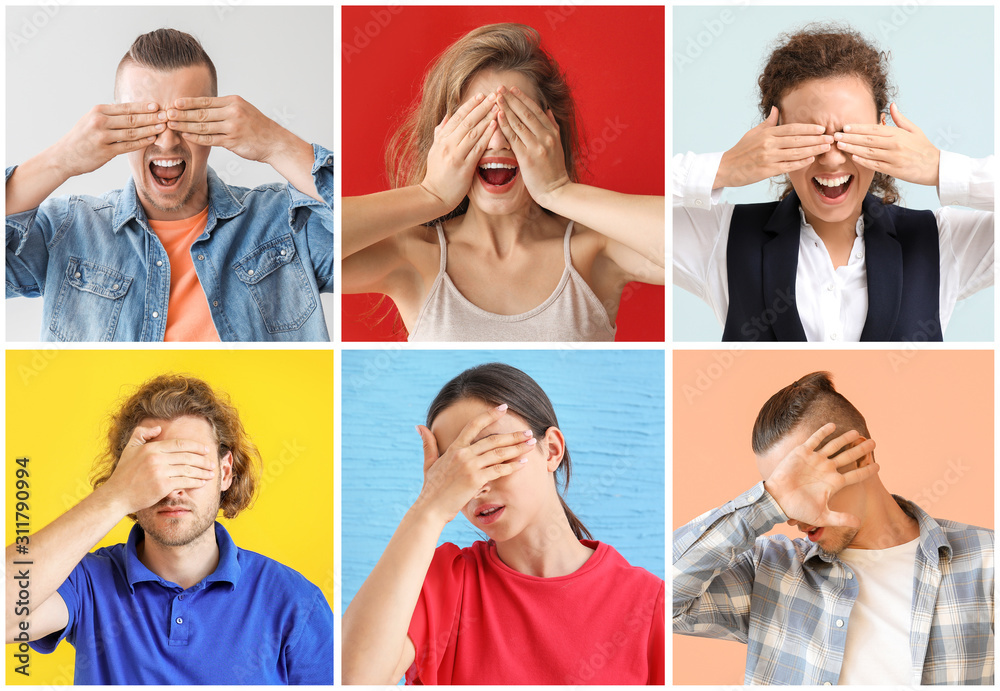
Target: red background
column 614, row 61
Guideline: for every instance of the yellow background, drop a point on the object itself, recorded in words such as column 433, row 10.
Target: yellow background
column 58, row 403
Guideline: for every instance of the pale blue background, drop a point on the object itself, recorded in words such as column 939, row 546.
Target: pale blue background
column 941, row 65
column 610, row 409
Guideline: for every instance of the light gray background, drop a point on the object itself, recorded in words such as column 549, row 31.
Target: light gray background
column 941, row 64
column 61, row 62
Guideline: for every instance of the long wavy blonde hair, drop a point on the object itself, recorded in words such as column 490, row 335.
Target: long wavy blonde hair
column 500, row 47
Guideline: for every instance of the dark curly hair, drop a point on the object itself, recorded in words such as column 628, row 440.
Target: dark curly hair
column 822, row 51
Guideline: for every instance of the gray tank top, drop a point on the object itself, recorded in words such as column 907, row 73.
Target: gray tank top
column 571, row 313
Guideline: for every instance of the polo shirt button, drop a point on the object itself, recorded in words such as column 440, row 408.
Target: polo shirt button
column 701, row 529
column 179, row 620
column 181, row 596
column 215, row 303
column 829, row 287
column 850, row 576
column 697, row 202
column 159, row 263
column 250, row 272
column 77, row 274
column 840, row 623
column 858, row 255
column 826, row 683
column 155, row 315
column 201, row 257
column 833, row 337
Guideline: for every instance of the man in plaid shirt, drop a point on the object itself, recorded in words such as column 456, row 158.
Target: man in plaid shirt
column 879, row 593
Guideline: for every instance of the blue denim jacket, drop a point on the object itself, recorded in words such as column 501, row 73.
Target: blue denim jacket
column 265, row 256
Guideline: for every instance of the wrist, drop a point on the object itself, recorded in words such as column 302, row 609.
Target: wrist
column 57, row 160
column 720, row 181
column 425, row 512
column 281, row 144
column 434, row 203
column 555, row 196
column 111, row 502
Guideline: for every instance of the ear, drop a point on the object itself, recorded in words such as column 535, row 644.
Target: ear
column 553, row 445
column 864, row 460
column 881, row 119
column 226, row 468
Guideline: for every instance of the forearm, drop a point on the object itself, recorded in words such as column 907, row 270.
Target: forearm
column 293, row 159
column 33, row 181
column 375, row 624
column 636, row 221
column 374, row 217
column 55, row 550
column 713, row 572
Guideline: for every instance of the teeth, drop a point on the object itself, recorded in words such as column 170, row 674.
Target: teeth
column 833, row 182
column 487, row 512
column 168, row 163
column 488, row 166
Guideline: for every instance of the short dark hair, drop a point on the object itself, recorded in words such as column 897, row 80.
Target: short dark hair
column 165, row 50
column 812, row 400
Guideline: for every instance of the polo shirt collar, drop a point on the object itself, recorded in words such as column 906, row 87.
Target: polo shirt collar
column 933, row 541
column 221, row 200
column 228, row 570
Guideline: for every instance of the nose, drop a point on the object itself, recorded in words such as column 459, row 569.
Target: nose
column 833, row 158
column 484, row 490
column 498, row 142
column 168, row 139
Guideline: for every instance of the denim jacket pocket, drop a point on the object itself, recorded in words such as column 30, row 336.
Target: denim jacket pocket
column 89, row 303
column 275, row 277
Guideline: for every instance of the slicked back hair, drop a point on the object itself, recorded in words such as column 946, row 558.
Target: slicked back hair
column 166, row 50
column 811, row 400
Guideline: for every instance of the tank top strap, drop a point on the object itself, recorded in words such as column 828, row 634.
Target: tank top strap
column 444, row 247
column 566, row 253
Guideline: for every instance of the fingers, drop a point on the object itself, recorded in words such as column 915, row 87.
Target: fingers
column 861, row 474
column 476, row 152
column 134, row 120
column 838, row 443
column 211, row 127
column 835, row 518
column 129, row 108
column 198, row 115
column 470, row 114
column 855, row 453
column 119, row 148
column 799, row 129
column 133, row 135
column 140, row 435
column 204, row 139
column 901, row 121
column 509, row 451
column 867, row 163
column 430, row 446
column 772, row 118
column 801, row 141
column 504, row 469
column 479, row 423
column 202, row 102
column 813, row 442
column 181, row 446
column 874, row 130
column 525, row 110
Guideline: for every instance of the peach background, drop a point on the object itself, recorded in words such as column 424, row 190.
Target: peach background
column 925, row 410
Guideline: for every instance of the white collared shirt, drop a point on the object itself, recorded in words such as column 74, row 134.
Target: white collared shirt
column 833, row 303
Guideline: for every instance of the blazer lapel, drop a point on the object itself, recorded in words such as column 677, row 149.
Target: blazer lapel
column 884, row 264
column 781, row 260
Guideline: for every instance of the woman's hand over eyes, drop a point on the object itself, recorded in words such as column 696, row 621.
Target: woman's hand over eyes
column 534, row 138
column 454, row 478
column 903, row 152
column 459, row 142
column 771, row 149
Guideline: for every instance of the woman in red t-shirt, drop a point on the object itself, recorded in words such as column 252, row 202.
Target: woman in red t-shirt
column 540, row 602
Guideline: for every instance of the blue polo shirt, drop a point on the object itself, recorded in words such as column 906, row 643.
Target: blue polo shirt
column 252, row 621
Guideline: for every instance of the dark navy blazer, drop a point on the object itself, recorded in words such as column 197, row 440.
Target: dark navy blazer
column 901, row 256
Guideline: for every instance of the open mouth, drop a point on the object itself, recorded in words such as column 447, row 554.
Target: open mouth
column 167, row 172
column 489, row 513
column 833, row 190
column 815, row 534
column 497, row 176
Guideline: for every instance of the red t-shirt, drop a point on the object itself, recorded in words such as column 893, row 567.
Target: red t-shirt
column 478, row 621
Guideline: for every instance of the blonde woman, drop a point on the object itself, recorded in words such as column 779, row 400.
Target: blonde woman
column 487, row 233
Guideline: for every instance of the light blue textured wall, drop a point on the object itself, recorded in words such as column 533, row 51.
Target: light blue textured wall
column 610, row 408
column 947, row 91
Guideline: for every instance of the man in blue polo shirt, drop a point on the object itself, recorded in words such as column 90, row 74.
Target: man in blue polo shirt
column 179, row 602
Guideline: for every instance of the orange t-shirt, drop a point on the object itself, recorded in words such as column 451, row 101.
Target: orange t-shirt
column 188, row 316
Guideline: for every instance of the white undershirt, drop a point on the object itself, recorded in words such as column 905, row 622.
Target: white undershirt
column 877, row 650
column 833, row 304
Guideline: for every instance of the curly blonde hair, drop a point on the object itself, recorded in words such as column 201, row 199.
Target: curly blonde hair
column 168, row 397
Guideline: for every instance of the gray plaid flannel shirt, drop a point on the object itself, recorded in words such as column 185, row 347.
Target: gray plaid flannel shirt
column 791, row 603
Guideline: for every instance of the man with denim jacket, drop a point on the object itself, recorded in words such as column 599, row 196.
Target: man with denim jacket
column 878, row 593
column 251, row 263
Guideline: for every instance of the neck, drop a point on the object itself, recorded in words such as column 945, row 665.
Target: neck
column 184, row 565
column 835, row 231
column 548, row 548
column 885, row 525
column 505, row 232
